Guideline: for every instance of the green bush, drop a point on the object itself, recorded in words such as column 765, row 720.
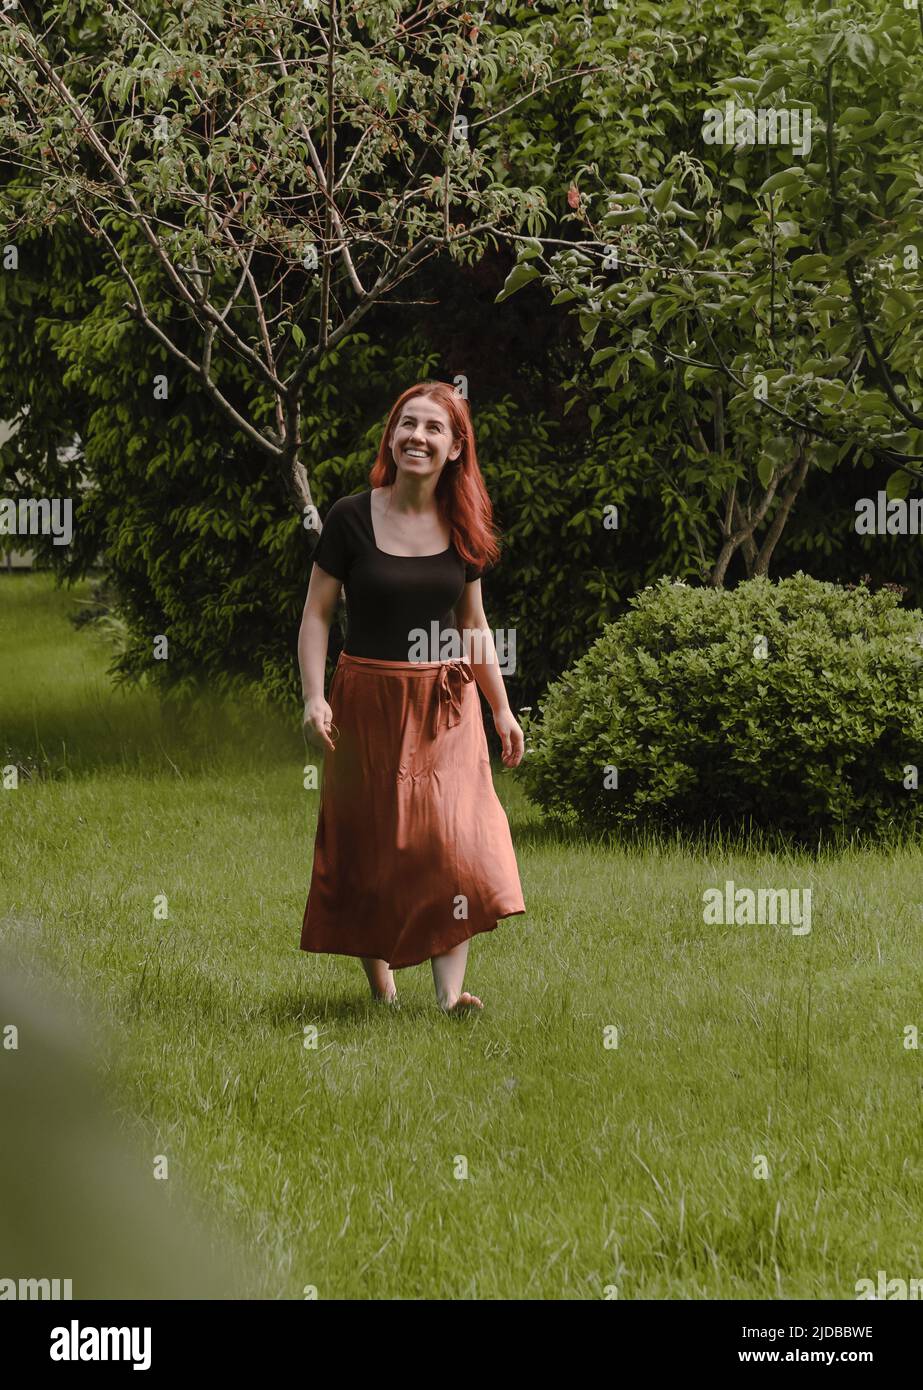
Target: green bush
column 815, row 737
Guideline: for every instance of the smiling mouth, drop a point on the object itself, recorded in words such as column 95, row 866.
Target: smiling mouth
column 416, row 453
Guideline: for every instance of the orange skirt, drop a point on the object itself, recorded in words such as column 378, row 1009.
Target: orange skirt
column 412, row 853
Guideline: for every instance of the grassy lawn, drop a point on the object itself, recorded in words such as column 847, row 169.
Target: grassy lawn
column 589, row 1167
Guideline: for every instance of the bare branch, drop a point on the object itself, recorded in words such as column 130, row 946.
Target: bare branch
column 193, row 301
column 200, row 371
column 328, row 203
column 326, row 188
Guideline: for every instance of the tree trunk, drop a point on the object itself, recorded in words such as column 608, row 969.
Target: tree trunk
column 803, row 463
column 737, row 538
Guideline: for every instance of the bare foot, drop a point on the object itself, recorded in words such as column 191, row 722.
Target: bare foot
column 387, row 998
column 464, row 1001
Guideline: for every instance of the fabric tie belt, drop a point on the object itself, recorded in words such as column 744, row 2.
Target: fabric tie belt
column 450, row 689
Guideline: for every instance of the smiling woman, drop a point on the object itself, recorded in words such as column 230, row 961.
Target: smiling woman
column 413, row 854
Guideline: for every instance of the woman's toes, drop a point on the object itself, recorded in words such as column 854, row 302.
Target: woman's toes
column 467, row 1001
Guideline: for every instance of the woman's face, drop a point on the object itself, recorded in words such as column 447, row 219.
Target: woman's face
column 421, row 438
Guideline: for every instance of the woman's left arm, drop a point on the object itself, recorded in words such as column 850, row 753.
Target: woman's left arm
column 481, row 655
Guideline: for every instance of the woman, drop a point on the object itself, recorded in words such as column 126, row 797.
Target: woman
column 412, row 854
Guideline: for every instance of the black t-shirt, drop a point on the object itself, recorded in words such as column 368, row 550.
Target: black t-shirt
column 389, row 597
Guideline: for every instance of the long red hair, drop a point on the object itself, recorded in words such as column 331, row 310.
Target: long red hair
column 461, row 496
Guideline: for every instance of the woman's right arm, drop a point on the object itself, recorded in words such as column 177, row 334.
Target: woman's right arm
column 319, row 608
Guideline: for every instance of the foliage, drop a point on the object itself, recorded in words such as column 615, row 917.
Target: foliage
column 760, row 291
column 794, row 705
column 258, row 183
column 194, row 518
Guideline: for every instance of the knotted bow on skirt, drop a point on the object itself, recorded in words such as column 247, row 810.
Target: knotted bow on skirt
column 450, row 689
column 412, row 852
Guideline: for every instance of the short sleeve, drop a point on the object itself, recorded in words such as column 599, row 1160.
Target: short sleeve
column 473, row 572
column 332, row 551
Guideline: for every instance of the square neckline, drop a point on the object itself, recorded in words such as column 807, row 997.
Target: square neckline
column 434, row 555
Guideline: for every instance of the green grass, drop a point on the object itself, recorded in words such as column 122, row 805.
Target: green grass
column 587, row 1166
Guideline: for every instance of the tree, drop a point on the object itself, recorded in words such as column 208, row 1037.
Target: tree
column 118, row 125
column 259, row 181
column 198, row 529
column 766, row 296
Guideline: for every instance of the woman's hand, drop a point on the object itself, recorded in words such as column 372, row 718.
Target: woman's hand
column 318, row 717
column 511, row 736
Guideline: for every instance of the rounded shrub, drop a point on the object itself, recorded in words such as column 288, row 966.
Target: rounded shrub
column 792, row 706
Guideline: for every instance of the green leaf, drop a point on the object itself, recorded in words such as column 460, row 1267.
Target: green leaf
column 530, row 249
column 854, row 115
column 699, row 374
column 620, row 216
column 592, row 328
column 861, row 133
column 639, row 304
column 826, row 456
column 774, row 79
column 520, row 275
column 898, row 185
column 661, row 194
column 741, row 84
column 902, row 296
column 823, row 49
column 779, row 448
column 898, row 484
column 861, row 48
column 806, row 267
column 782, row 179
column 664, row 310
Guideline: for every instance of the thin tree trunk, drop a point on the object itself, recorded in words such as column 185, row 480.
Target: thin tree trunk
column 803, row 462
column 736, row 538
column 748, row 545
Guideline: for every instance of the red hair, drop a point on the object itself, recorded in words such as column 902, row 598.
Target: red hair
column 461, row 496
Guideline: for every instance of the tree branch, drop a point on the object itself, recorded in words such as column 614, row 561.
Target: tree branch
column 328, row 201
column 200, row 371
column 193, row 301
column 716, row 578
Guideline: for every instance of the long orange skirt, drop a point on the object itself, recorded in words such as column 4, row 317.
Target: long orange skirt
column 412, row 853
